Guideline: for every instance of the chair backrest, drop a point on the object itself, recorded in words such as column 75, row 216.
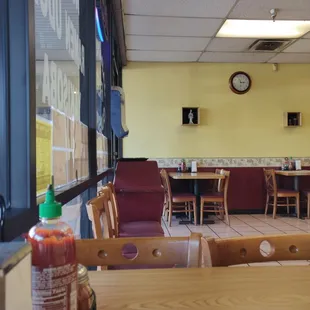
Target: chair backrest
column 101, row 211
column 270, row 180
column 216, row 184
column 224, row 183
column 243, row 250
column 166, row 182
column 99, row 217
column 109, row 190
column 184, row 251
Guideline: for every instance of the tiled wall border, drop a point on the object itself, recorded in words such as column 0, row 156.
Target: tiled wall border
column 230, row 161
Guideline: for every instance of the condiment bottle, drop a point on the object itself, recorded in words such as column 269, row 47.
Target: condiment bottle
column 86, row 295
column 179, row 168
column 54, row 266
column 183, row 166
column 291, row 165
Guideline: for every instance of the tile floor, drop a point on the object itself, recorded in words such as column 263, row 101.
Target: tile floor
column 244, row 225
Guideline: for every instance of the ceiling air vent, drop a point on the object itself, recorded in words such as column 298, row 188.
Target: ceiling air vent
column 269, row 45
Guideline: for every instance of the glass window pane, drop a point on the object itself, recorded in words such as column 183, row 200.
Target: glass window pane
column 71, row 214
column 102, row 145
column 62, row 139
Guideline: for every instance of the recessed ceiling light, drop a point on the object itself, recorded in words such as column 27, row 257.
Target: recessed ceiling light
column 238, row 28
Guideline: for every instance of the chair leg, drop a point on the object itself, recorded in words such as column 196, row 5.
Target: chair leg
column 189, row 210
column 170, row 214
column 226, row 212
column 201, row 211
column 195, row 212
column 308, row 205
column 274, row 213
column 222, row 211
column 298, row 206
column 287, row 205
column 267, row 203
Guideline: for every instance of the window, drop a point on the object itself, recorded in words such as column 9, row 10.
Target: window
column 102, row 141
column 48, row 109
column 62, row 134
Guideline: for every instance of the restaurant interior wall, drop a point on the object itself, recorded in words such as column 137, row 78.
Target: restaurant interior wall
column 231, row 125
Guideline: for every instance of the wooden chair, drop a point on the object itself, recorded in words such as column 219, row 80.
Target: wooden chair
column 217, row 182
column 102, row 212
column 166, row 204
column 274, row 193
column 218, row 199
column 244, row 250
column 178, row 202
column 180, row 251
column 109, row 191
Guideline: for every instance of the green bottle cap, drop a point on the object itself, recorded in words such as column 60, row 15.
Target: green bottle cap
column 50, row 208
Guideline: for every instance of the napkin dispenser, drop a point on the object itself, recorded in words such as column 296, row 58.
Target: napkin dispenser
column 15, row 276
column 298, row 164
column 194, row 166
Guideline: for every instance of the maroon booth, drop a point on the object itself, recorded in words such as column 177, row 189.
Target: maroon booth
column 140, row 198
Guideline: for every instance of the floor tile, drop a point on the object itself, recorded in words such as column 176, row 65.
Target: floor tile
column 294, row 232
column 273, row 233
column 222, row 229
column 228, row 235
column 243, row 228
column 176, row 233
column 210, row 234
column 267, row 229
column 199, row 229
column 241, row 225
column 295, row 263
column 251, row 233
column 241, row 265
column 265, row 264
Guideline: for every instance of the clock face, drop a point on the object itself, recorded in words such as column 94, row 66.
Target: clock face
column 240, row 83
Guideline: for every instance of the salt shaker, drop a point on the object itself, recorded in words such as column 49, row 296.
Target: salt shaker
column 86, row 295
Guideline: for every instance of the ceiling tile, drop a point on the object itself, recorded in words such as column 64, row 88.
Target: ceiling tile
column 171, row 26
column 291, row 58
column 156, row 43
column 300, row 46
column 184, row 8
column 259, row 9
column 163, row 56
column 229, row 45
column 235, row 57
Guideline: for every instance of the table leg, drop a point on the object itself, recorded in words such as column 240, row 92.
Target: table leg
column 187, row 221
column 197, row 194
column 296, row 183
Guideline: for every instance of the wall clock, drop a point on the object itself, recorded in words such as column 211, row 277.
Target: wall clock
column 240, row 82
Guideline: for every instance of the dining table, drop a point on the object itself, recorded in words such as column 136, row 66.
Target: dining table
column 296, row 174
column 195, row 177
column 217, row 288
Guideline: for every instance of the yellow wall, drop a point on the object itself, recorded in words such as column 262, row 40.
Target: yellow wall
column 231, row 125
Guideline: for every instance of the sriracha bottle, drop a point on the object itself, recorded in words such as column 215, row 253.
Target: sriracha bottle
column 54, row 266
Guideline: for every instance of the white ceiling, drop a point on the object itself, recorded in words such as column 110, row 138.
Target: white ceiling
column 185, row 30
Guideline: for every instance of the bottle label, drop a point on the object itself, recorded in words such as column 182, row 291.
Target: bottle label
column 54, row 288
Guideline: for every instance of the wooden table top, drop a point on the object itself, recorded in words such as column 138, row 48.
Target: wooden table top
column 293, row 173
column 244, row 288
column 195, row 176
